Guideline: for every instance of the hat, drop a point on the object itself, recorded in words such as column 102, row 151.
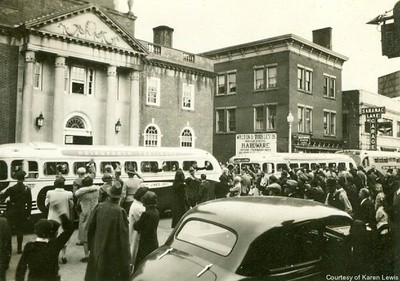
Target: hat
column 140, row 193
column 115, row 191
column 20, row 175
column 43, row 228
column 150, row 198
column 191, row 170
column 291, row 182
column 59, row 183
column 81, row 171
column 237, row 178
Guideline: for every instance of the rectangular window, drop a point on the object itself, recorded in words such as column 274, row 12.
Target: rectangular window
column 231, row 83
column 271, row 115
column 308, row 120
column 231, row 119
column 398, row 129
column 149, row 167
column 304, row 79
column 221, row 84
column 259, row 118
column 170, row 166
column 153, row 91
column 78, row 80
column 329, row 123
column 305, row 119
column 259, row 79
column 55, row 168
column 329, row 86
column 106, row 167
column 385, row 127
column 271, row 77
column 220, row 120
column 130, row 166
column 38, row 76
column 300, row 117
column 188, row 96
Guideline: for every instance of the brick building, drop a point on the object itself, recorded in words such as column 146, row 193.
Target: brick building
column 259, row 83
column 79, row 65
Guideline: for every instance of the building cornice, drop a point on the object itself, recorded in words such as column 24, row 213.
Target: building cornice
column 179, row 67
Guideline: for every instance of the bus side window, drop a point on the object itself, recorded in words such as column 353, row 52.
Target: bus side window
column 305, row 166
column 149, row 167
column 170, row 166
column 85, row 165
column 16, row 165
column 54, row 168
column 188, row 164
column 331, row 165
column 208, row 165
column 293, row 166
column 341, row 166
column 313, row 166
column 365, row 162
column 114, row 165
column 33, row 170
column 3, row 170
column 281, row 166
column 130, row 166
column 268, row 168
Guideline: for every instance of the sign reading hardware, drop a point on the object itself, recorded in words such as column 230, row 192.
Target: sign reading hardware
column 255, row 143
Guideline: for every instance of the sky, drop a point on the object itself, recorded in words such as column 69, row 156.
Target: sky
column 204, row 25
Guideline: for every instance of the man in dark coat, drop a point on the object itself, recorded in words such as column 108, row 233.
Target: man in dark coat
column 192, row 189
column 19, row 207
column 147, row 226
column 366, row 211
column 206, row 191
column 5, row 247
column 108, row 240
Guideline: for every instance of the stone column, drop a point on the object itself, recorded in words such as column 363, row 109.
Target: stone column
column 111, row 101
column 134, row 114
column 58, row 105
column 27, row 93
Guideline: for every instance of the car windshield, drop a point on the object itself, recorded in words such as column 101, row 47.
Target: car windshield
column 208, row 236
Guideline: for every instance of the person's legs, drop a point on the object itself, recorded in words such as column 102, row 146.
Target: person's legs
column 86, row 250
column 63, row 253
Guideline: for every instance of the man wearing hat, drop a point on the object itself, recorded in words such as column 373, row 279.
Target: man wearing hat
column 18, row 207
column 41, row 256
column 107, row 179
column 59, row 200
column 129, row 189
column 108, row 239
column 192, row 190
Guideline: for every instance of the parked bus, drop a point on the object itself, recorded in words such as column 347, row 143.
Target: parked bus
column 274, row 163
column 381, row 160
column 156, row 165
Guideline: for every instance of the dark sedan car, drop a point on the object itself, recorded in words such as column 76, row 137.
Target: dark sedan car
column 253, row 238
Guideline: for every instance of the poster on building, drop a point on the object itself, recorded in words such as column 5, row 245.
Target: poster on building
column 255, row 143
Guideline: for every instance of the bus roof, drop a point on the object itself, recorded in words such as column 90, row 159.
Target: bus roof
column 287, row 156
column 51, row 150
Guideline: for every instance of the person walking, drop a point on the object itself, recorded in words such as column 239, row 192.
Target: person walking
column 5, row 247
column 180, row 202
column 58, row 201
column 108, row 240
column 41, row 256
column 19, row 207
column 147, row 226
column 87, row 199
column 129, row 189
column 135, row 212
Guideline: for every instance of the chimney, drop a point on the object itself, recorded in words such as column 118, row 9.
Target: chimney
column 323, row 37
column 162, row 35
column 110, row 4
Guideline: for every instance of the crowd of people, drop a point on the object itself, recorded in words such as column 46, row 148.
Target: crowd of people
column 117, row 228
column 118, row 220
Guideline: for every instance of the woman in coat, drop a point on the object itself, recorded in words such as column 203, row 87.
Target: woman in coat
column 146, row 226
column 180, row 202
column 87, row 198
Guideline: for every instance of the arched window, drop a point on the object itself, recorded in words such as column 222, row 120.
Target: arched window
column 77, row 130
column 75, row 122
column 152, row 136
column 187, row 138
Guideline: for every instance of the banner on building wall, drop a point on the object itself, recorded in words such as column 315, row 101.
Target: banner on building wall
column 373, row 133
column 255, row 143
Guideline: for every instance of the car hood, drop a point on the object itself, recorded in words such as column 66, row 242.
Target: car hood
column 170, row 264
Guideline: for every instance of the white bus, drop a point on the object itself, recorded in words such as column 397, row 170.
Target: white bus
column 381, row 160
column 156, row 165
column 274, row 163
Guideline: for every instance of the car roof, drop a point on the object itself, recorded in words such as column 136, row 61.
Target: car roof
column 251, row 216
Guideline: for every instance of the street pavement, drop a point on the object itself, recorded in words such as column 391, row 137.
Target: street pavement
column 74, row 269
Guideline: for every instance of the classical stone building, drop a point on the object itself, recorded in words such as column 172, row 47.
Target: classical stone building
column 78, row 65
column 260, row 83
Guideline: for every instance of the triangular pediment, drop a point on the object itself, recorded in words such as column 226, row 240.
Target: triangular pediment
column 88, row 25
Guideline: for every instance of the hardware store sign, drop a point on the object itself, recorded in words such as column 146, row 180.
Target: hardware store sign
column 255, row 143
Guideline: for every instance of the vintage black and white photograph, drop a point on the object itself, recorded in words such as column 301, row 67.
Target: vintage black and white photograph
column 180, row 140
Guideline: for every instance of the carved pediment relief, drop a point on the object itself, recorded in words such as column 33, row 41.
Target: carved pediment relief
column 87, row 26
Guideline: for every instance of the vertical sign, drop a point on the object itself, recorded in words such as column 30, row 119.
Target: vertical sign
column 372, row 141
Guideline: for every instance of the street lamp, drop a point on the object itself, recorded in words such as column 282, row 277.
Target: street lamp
column 290, row 119
column 118, row 126
column 39, row 121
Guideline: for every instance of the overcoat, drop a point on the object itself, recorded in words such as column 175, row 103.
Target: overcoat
column 180, row 203
column 108, row 241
